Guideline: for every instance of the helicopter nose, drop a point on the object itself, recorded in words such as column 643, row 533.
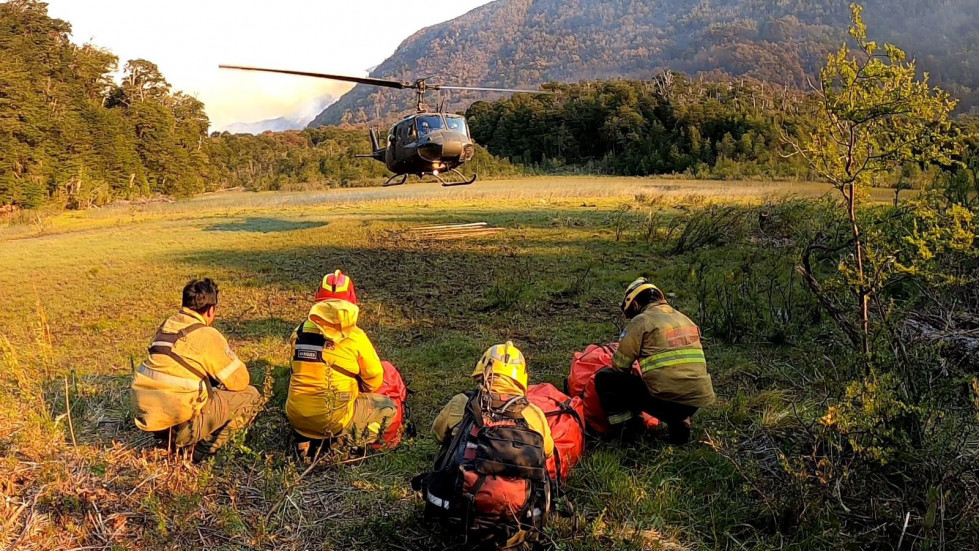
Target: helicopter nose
column 452, row 148
column 444, row 146
column 431, row 151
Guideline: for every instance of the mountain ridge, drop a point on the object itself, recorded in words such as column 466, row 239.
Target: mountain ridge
column 510, row 43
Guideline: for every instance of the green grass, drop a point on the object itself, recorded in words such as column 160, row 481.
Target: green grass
column 83, row 293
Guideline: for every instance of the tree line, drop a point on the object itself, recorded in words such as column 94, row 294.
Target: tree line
column 672, row 124
column 71, row 133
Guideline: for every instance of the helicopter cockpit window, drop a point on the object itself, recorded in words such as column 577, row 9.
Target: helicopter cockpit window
column 427, row 124
column 457, row 124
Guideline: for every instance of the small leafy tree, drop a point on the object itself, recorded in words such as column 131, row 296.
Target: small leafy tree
column 872, row 114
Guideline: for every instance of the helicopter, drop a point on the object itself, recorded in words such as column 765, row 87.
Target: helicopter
column 426, row 143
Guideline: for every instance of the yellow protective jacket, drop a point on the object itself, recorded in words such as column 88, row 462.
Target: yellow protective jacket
column 667, row 345
column 451, row 415
column 333, row 361
column 186, row 358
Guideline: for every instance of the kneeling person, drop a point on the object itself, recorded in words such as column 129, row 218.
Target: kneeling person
column 674, row 382
column 490, row 476
column 174, row 388
column 335, row 371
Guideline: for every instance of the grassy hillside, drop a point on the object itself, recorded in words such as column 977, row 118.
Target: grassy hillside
column 84, row 291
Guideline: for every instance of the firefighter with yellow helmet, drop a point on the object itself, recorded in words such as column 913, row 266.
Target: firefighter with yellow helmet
column 192, row 390
column 507, row 369
column 335, row 371
column 674, row 382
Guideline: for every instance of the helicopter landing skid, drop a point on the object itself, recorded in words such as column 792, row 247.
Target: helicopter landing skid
column 390, row 181
column 464, row 181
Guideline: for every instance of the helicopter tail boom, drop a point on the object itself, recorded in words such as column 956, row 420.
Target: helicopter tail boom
column 377, row 152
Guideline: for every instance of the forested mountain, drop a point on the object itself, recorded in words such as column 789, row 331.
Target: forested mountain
column 526, row 42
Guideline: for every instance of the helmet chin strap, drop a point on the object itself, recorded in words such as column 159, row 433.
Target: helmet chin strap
column 488, row 376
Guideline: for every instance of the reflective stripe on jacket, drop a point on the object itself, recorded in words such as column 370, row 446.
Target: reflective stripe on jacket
column 333, row 361
column 667, row 345
column 186, row 357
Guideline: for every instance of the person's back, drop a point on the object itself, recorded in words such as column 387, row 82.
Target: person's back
column 335, row 371
column 490, row 476
column 667, row 345
column 174, row 389
column 447, row 421
column 674, row 383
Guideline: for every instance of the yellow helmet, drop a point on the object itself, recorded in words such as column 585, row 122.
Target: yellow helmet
column 505, row 360
column 633, row 291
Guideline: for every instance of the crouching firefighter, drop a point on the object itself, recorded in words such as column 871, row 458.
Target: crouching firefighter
column 490, row 476
column 335, row 370
column 674, row 382
column 193, row 390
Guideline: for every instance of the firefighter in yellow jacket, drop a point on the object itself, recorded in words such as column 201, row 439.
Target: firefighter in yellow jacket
column 193, row 390
column 674, row 383
column 509, row 369
column 335, row 371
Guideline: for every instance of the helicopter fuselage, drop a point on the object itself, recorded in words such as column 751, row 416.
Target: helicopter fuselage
column 426, row 143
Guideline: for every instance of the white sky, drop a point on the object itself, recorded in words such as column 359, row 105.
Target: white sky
column 189, row 38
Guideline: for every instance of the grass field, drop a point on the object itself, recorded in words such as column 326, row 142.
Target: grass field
column 83, row 292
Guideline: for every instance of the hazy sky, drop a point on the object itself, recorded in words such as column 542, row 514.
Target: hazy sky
column 189, row 38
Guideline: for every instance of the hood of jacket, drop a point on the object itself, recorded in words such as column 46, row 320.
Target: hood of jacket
column 335, row 318
column 506, row 386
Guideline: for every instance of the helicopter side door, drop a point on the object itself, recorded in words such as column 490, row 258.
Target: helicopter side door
column 405, row 138
column 389, row 153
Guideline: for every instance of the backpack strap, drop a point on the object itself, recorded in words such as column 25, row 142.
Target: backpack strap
column 474, row 409
column 163, row 344
column 565, row 407
column 309, row 348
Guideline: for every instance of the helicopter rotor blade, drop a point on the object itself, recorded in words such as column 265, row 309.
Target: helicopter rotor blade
column 344, row 78
column 478, row 89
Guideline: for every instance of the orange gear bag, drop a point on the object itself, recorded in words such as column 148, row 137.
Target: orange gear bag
column 581, row 383
column 394, row 387
column 566, row 418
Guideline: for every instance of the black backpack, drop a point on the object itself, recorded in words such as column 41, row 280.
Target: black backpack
column 490, row 479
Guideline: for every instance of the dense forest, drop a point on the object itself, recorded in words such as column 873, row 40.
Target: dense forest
column 671, row 124
column 527, row 42
column 69, row 131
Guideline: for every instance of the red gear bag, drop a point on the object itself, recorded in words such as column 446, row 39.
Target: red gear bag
column 566, row 418
column 393, row 387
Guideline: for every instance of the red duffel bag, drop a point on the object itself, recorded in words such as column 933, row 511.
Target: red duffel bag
column 394, row 388
column 581, row 382
column 566, row 418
